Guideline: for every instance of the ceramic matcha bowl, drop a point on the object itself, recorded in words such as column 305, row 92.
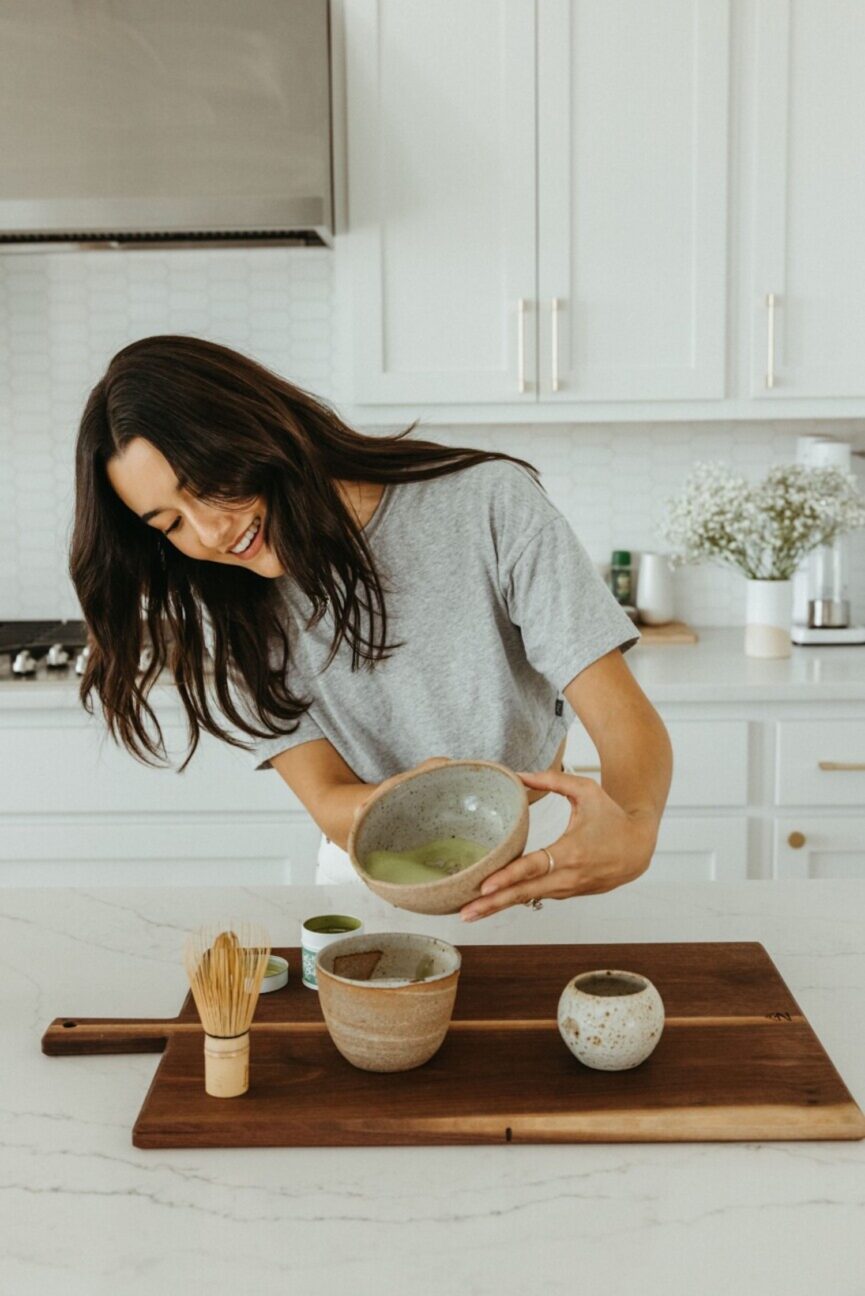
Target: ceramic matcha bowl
column 388, row 997
column 475, row 801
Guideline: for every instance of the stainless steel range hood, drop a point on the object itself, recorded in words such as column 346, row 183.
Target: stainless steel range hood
column 131, row 123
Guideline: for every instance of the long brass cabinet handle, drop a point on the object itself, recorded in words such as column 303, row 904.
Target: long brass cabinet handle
column 582, row 769
column 770, row 339
column 521, row 344
column 841, row 765
column 796, row 840
column 554, row 347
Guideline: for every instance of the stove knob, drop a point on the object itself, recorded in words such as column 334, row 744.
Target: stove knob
column 81, row 660
column 58, row 657
column 24, row 664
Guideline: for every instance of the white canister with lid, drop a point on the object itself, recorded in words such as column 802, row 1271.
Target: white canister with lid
column 316, row 934
column 655, row 589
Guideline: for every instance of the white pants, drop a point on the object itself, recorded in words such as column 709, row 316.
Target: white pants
column 548, row 819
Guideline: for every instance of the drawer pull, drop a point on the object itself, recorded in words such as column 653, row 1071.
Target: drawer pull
column 582, row 769
column 796, row 840
column 841, row 765
column 521, row 344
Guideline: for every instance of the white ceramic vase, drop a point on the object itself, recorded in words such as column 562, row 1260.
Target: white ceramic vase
column 768, row 611
column 655, row 589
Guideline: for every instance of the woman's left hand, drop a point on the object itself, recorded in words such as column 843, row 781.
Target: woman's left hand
column 602, row 848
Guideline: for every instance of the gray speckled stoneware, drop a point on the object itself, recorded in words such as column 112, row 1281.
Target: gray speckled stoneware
column 481, row 800
column 388, row 997
column 611, row 1020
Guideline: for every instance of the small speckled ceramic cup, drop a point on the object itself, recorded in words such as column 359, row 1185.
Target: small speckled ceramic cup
column 317, row 933
column 610, row 1020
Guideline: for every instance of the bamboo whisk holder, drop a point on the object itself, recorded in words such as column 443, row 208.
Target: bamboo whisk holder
column 226, row 1066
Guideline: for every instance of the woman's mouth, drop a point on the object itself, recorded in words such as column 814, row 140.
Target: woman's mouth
column 250, row 542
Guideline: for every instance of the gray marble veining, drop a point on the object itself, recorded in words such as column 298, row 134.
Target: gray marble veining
column 83, row 1211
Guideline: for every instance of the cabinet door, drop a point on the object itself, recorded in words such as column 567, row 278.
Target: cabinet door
column 809, row 846
column 632, row 198
column 809, row 170
column 820, row 763
column 441, row 199
column 700, row 849
column 710, row 761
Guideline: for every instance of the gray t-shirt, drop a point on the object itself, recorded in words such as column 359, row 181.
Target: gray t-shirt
column 498, row 607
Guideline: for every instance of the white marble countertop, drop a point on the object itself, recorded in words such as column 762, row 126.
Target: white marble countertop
column 715, row 669
column 85, row 1212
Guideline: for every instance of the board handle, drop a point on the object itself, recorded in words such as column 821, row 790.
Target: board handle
column 67, row 1036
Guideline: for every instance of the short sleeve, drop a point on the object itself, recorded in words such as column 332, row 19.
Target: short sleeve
column 264, row 748
column 567, row 616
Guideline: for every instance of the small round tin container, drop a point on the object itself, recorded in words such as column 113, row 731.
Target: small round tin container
column 275, row 974
column 610, row 1020
column 318, row 932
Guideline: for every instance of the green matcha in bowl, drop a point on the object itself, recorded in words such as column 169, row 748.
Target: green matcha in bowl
column 427, row 839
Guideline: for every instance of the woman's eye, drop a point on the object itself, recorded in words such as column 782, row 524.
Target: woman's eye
column 174, row 525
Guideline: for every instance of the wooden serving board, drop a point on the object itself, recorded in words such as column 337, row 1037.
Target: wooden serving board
column 737, row 1060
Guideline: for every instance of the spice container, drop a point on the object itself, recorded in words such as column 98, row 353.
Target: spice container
column 317, row 933
column 275, row 974
column 620, row 576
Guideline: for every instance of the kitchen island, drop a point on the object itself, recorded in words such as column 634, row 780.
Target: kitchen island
column 87, row 1213
column 765, row 753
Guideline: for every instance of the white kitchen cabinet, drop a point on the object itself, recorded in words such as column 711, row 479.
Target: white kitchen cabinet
column 75, row 809
column 809, row 174
column 821, row 763
column 705, row 847
column 817, row 846
column 576, row 156
column 448, row 303
column 710, row 769
column 748, row 798
column 441, row 199
column 632, row 199
column 710, row 766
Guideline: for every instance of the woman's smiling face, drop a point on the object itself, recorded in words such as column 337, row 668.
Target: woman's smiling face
column 211, row 532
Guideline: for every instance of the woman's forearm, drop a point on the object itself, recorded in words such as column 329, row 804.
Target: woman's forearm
column 637, row 763
column 629, row 736
column 337, row 808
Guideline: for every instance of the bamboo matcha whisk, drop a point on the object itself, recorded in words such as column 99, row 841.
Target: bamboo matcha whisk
column 225, row 970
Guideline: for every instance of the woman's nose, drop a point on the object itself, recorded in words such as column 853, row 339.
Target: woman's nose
column 215, row 528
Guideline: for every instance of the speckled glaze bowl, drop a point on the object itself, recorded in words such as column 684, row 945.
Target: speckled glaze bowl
column 480, row 800
column 611, row 1020
column 379, row 1016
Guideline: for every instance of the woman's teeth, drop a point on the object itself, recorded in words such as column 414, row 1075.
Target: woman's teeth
column 247, row 538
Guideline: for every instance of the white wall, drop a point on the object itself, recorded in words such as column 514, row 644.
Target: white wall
column 63, row 315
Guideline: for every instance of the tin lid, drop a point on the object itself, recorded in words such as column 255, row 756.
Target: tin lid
column 621, row 557
column 275, row 974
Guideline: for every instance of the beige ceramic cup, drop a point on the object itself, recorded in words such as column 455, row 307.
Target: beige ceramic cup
column 388, row 997
column 610, row 1020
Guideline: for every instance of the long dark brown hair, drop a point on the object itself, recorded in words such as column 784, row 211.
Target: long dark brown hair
column 231, row 430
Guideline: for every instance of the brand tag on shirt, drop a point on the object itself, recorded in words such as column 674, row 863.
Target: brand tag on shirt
column 559, row 706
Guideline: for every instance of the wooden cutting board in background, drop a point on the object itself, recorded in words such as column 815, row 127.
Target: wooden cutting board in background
column 674, row 632
column 737, row 1060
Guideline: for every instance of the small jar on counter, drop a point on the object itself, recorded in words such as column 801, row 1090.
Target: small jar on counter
column 621, row 582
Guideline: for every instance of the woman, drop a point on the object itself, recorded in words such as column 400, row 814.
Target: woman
column 370, row 604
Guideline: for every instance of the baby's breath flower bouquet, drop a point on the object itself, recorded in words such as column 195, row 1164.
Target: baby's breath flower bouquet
column 764, row 530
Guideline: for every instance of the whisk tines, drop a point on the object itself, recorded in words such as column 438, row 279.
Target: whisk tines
column 225, row 964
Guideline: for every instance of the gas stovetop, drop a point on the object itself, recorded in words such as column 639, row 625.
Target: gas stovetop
column 37, row 638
